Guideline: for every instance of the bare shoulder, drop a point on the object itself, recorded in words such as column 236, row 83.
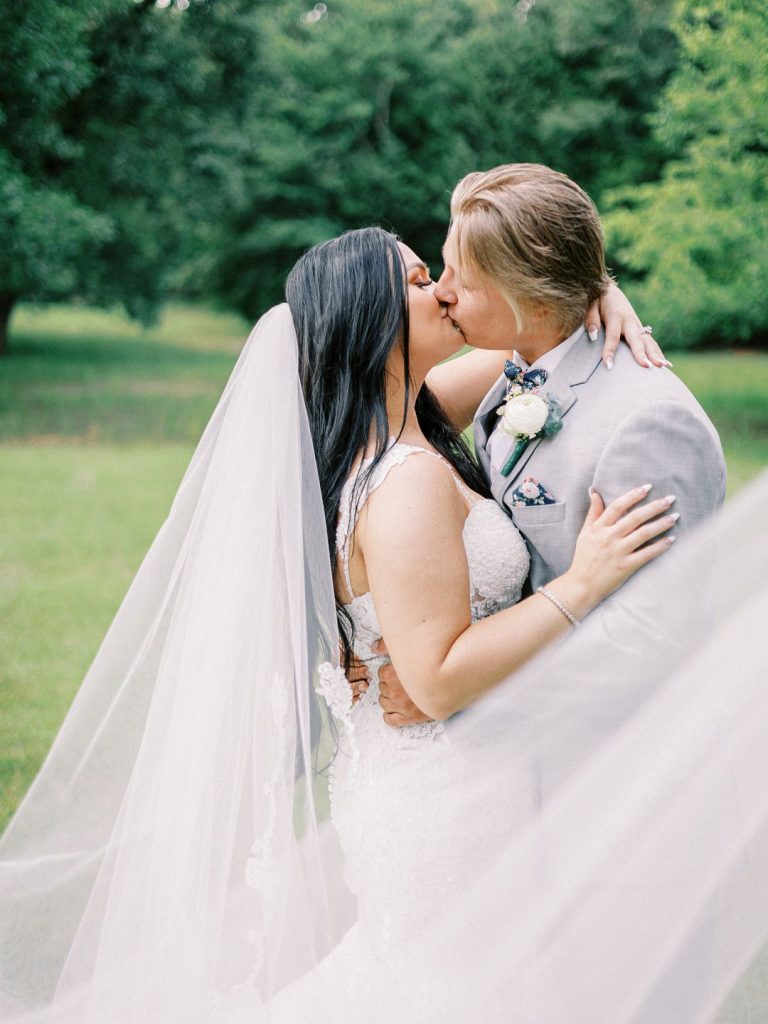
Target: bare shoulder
column 418, row 498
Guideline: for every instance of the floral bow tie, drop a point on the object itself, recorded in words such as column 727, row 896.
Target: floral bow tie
column 527, row 381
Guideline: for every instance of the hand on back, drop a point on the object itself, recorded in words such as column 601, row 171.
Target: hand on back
column 619, row 539
column 397, row 706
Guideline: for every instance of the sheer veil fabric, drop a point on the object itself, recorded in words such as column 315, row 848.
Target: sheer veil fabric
column 155, row 860
column 174, row 846
column 637, row 891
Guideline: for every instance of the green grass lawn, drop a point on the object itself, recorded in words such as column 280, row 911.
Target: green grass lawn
column 733, row 388
column 96, row 377
column 98, row 419
column 75, row 522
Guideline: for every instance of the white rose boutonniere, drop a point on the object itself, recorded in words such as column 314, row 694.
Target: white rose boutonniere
column 526, row 416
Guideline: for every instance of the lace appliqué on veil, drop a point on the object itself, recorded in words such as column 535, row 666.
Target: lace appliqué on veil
column 335, row 690
column 264, row 872
column 262, row 869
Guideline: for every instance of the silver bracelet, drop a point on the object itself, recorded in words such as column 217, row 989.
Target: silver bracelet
column 560, row 606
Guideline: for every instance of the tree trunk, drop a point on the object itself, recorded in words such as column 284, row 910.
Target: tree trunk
column 7, row 302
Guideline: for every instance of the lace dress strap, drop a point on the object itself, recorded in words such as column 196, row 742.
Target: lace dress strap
column 352, row 499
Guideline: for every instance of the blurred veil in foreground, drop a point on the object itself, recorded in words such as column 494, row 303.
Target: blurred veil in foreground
column 175, row 846
column 638, row 890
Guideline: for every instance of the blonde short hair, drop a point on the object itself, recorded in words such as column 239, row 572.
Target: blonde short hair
column 535, row 235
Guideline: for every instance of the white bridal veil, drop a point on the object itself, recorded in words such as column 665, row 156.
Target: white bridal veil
column 154, row 860
column 637, row 890
column 174, row 845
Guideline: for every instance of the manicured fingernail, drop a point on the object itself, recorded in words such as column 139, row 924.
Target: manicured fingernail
column 609, row 363
column 667, row 362
column 670, row 498
column 674, row 517
column 647, row 364
column 646, row 487
column 590, row 491
column 592, row 332
column 670, row 540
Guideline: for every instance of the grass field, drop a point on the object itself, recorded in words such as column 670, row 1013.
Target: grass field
column 94, row 377
column 98, row 419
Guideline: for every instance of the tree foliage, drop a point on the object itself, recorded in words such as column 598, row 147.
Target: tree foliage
column 44, row 228
column 147, row 149
column 372, row 111
column 102, row 103
column 694, row 242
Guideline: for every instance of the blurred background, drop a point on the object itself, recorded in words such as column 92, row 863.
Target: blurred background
column 164, row 162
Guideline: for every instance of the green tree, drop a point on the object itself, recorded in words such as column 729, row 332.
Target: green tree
column 369, row 111
column 570, row 85
column 348, row 124
column 104, row 108
column 693, row 243
column 150, row 149
column 45, row 230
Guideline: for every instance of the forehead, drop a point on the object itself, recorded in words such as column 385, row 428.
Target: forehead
column 469, row 275
column 409, row 256
column 450, row 254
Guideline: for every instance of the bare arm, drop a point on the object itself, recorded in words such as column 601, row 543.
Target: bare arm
column 420, row 586
column 461, row 384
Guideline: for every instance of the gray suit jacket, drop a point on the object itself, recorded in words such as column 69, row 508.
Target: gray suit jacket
column 621, row 428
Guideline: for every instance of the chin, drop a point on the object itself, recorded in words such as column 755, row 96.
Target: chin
column 491, row 344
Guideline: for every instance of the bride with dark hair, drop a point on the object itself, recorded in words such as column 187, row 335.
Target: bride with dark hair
column 174, row 860
column 345, row 359
column 369, row 331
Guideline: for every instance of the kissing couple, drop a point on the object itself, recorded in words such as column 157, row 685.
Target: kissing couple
column 227, row 830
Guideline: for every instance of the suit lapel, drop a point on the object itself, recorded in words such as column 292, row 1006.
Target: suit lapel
column 577, row 367
column 486, row 419
column 580, row 363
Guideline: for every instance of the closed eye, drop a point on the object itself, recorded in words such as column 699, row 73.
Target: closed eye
column 424, row 284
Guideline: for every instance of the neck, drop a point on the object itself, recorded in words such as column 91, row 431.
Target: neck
column 402, row 419
column 539, row 336
column 532, row 348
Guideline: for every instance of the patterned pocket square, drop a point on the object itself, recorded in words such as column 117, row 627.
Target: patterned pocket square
column 531, row 492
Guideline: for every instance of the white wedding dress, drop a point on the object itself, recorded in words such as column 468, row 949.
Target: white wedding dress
column 406, row 834
column 412, row 831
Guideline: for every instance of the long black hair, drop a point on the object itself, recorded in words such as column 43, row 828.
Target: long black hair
column 349, row 302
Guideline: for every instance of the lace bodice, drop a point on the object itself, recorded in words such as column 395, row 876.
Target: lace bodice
column 497, row 559
column 376, row 764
